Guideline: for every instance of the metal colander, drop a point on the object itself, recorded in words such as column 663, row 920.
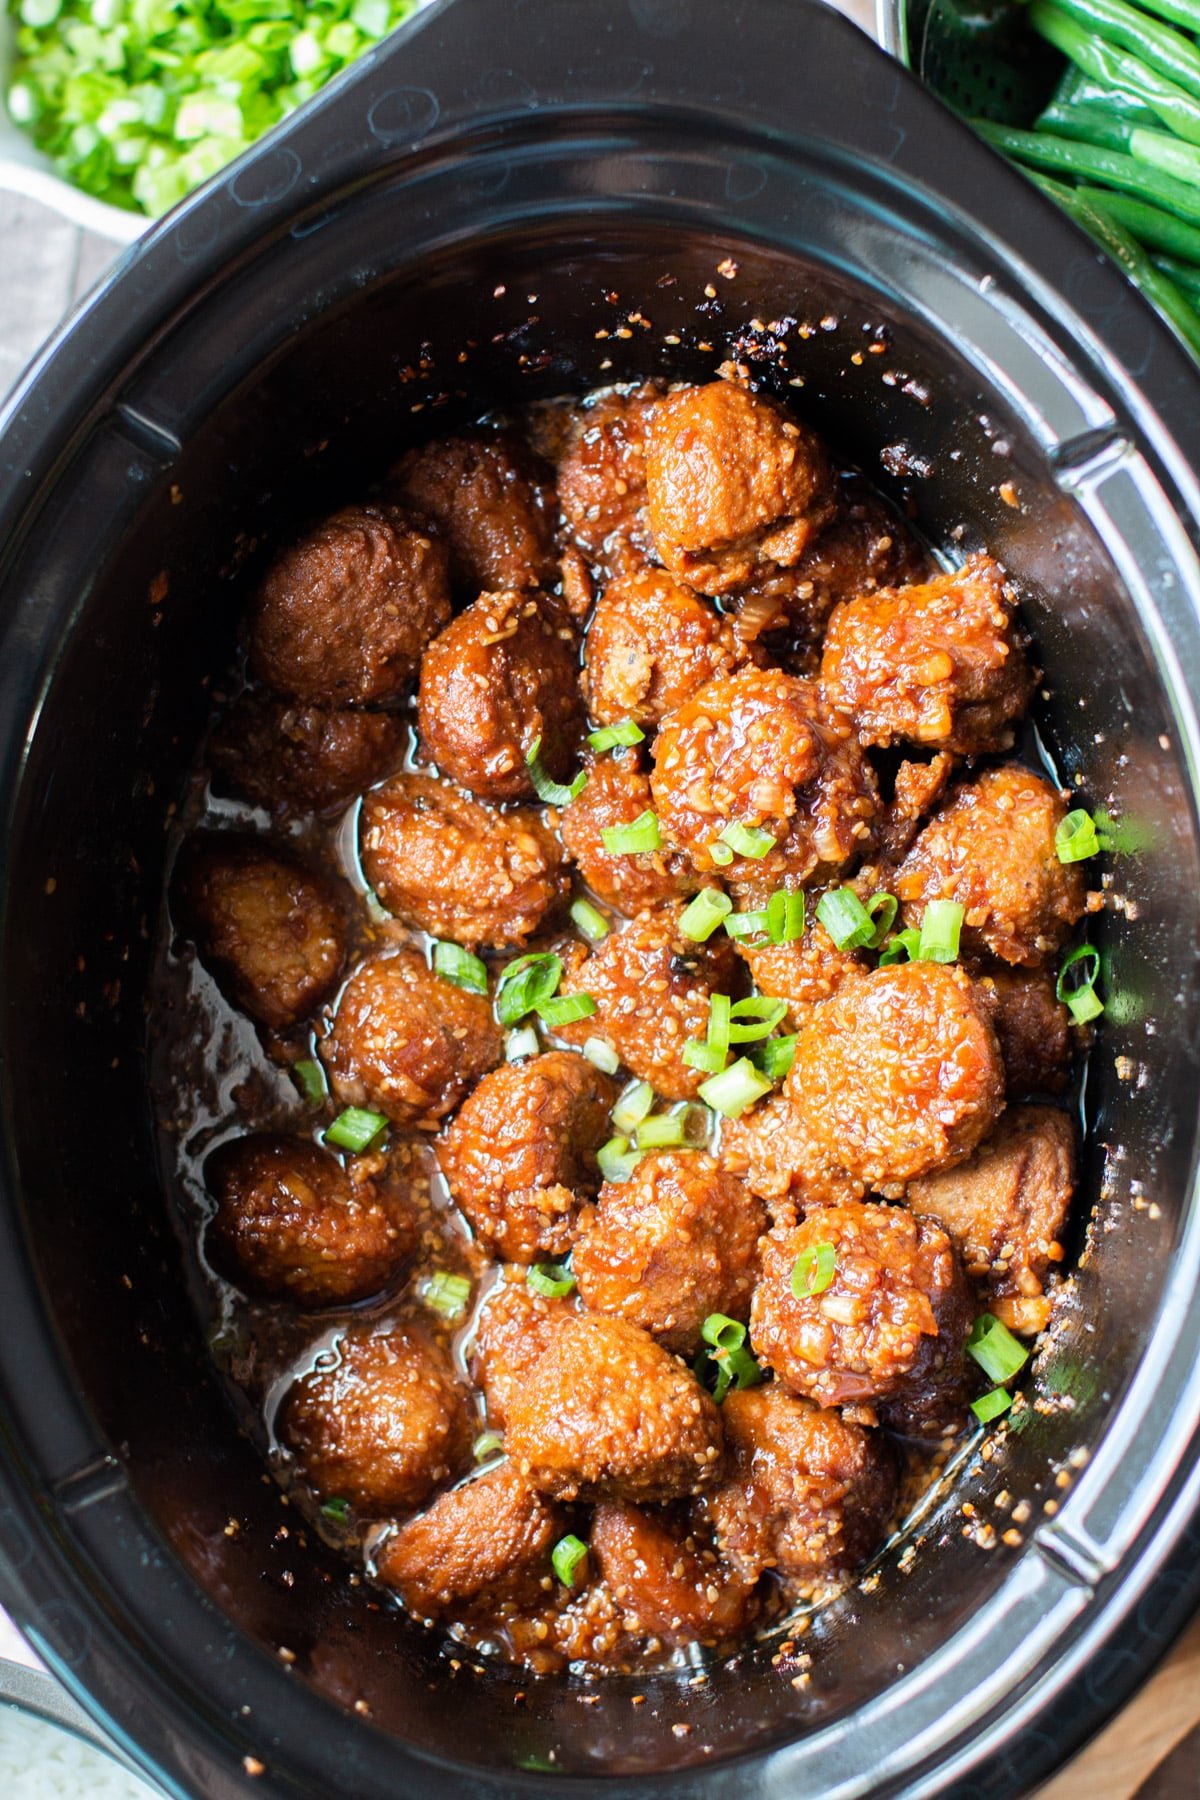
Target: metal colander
column 979, row 56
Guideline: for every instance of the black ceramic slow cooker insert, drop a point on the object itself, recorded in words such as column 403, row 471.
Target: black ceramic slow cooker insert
column 506, row 201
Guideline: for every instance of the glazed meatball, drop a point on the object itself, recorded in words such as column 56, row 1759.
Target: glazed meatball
column 675, row 1242
column 343, row 616
column 617, row 793
column 1006, row 1207
column 991, row 848
column 270, row 929
column 733, row 485
column 805, row 971
column 665, row 1579
column 292, row 1224
column 607, row 1412
column 502, row 677
column 891, row 1321
column 407, row 1043
column 758, row 749
column 521, row 1153
column 1033, row 1028
column 940, row 663
column 602, row 478
column 454, row 867
column 807, row 1493
column 379, row 1421
column 652, row 988
column 488, row 1540
column 767, row 1148
column 492, row 502
column 302, row 759
column 514, row 1326
column 650, row 645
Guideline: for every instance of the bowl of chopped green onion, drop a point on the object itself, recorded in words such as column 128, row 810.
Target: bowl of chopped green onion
column 114, row 110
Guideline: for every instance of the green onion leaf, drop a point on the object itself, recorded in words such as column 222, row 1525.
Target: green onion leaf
column 589, row 921
column 709, row 1057
column 845, row 918
column 746, row 925
column 1075, row 838
column 567, row 1557
column 763, row 1014
column 488, row 1443
column 525, row 984
column 941, row 924
column 549, row 791
column 616, row 1160
column 522, row 1043
column 785, row 916
column 990, row 1405
column 904, row 947
column 883, row 909
column 701, row 916
column 747, row 840
column 633, row 1104
column 356, row 1130
column 775, row 1057
column 447, row 1294
column 721, row 854
column 610, row 736
column 554, row 1280
column 813, row 1271
column 460, row 967
column 995, row 1349
column 1078, row 990
column 310, row 1079
column 723, row 1332
column 734, row 1089
column 635, row 839
column 684, row 1126
column 601, row 1055
column 566, row 1009
column 337, row 1509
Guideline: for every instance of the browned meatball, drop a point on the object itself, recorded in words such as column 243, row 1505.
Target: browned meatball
column 890, row 1324
column 606, row 1411
column 407, row 1043
column 675, row 1242
column 733, row 485
column 991, row 848
column 493, row 503
column 617, row 793
column 513, row 1328
column 652, row 987
column 1005, row 1208
column 501, row 677
column 666, row 1580
column 269, row 928
column 455, row 867
column 650, row 645
column 602, row 477
column 521, row 1153
column 767, row 1147
column 941, row 662
column 379, row 1421
column 805, row 971
column 488, row 1540
column 1033, row 1028
column 343, row 616
column 758, row 749
column 302, row 759
column 291, row 1224
column 808, row 1494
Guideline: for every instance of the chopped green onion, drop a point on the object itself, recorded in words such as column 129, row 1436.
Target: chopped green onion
column 720, row 1014
column 356, row 1129
column 635, row 839
column 995, row 1349
column 736, row 1368
column 845, row 918
column 633, row 1104
column 610, row 736
column 883, row 909
column 683, row 1125
column 566, row 1556
column 721, row 854
column 990, row 1405
column 488, row 1443
column 310, row 1079
column 746, row 925
column 905, row 946
column 785, row 917
column 747, row 840
column 525, row 984
column 775, row 1057
column 813, row 1271
column 589, row 920
column 602, row 1056
column 722, row 1332
column 447, row 1294
column 734, row 1089
column 549, row 791
column 729, row 1356
column 616, row 1160
column 337, row 1509
column 566, row 1009
column 763, row 1014
column 709, row 1057
column 551, row 1279
column 460, row 967
column 1079, row 991
column 1076, row 838
column 522, row 1043
column 701, row 916
column 941, row 924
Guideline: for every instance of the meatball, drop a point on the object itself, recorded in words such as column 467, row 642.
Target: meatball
column 488, row 1540
column 521, row 1152
column 733, row 485
column 379, row 1421
column 1006, row 1207
column 805, row 971
column 491, row 500
column 454, row 867
column 502, row 678
column 757, row 749
column 270, row 929
column 991, row 848
column 514, row 1326
column 292, row 1224
column 891, row 1321
column 343, row 616
column 675, row 1242
column 665, row 1579
column 652, row 987
column 940, row 662
column 407, row 1043
column 767, row 1148
column 602, row 478
column 1033, row 1028
column 617, row 793
column 606, row 1411
column 807, row 1494
column 650, row 645
column 302, row 759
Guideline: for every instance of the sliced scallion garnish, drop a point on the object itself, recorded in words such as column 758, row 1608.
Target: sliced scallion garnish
column 735, row 1089
column 701, row 916
column 566, row 1009
column 747, row 840
column 521, row 1043
column 336, row 1508
column 941, row 926
column 785, row 916
column 753, row 1019
column 589, row 921
column 743, row 925
column 310, row 1079
column 813, row 1271
column 709, row 1057
column 995, row 1349
column 845, row 918
column 356, row 1130
column 722, row 1332
column 488, row 1443
column 553, row 1280
column 991, row 1405
column 775, row 1057
column 567, row 1558
column 904, row 947
column 635, row 839
column 883, row 909
column 601, row 1055
column 460, row 967
column 446, row 1294
column 1078, row 991
column 549, row 791
column 617, row 1160
column 633, row 1105
column 525, row 984
column 1076, row 838
column 609, row 737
